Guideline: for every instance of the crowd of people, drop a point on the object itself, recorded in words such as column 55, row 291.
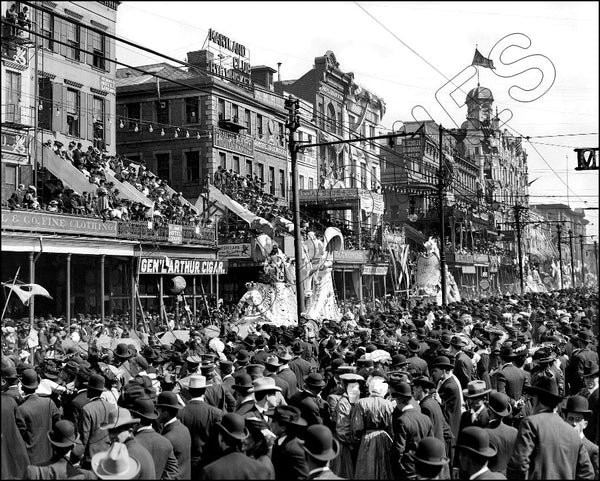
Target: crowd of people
column 103, row 200
column 481, row 389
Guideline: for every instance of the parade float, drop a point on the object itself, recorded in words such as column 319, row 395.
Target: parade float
column 428, row 277
column 274, row 301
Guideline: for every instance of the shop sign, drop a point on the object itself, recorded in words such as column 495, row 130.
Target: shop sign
column 326, row 89
column 43, row 222
column 176, row 234
column 269, row 148
column 194, row 267
column 108, row 85
column 234, row 142
column 350, row 257
column 15, row 143
column 468, row 270
column 481, row 258
column 234, row 251
column 484, row 284
column 370, row 270
column 463, row 258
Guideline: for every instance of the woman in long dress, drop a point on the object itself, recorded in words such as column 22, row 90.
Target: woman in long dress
column 322, row 304
column 372, row 424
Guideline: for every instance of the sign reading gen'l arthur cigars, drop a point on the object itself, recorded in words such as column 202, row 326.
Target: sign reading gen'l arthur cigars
column 193, row 267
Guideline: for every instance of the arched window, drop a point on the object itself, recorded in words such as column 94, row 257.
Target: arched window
column 331, row 118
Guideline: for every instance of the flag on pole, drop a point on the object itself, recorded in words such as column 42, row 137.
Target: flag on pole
column 480, row 61
column 26, row 291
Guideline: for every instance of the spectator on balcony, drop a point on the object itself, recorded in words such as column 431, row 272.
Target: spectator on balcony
column 17, row 197
column 103, row 202
column 11, row 18
column 24, row 20
column 30, row 201
column 53, row 206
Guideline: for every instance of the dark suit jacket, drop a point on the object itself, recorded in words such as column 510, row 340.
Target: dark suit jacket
column 234, row 465
column 591, row 432
column 419, row 365
column 35, row 417
column 563, row 455
column 73, row 407
column 161, row 450
column 433, row 409
column 314, row 409
column 510, row 380
column 463, row 369
column 449, row 393
column 288, row 376
column 592, row 450
column 94, row 439
column 410, row 427
column 14, row 452
column 142, row 455
column 180, row 438
column 58, row 469
column 574, row 370
column 289, row 460
column 503, row 437
column 199, row 417
column 248, row 409
column 220, row 397
column 301, row 368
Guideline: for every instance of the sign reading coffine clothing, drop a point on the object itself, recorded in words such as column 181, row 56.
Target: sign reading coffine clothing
column 194, row 267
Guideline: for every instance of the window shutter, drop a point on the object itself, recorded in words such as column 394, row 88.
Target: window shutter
column 90, row 115
column 62, row 35
column 57, row 97
column 177, row 106
column 89, row 57
column 106, row 132
column 147, row 114
column 25, row 175
column 108, row 53
column 64, row 126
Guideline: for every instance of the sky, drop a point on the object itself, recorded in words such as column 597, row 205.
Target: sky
column 545, row 84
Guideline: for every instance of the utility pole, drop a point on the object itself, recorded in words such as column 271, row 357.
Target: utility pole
column 442, row 219
column 596, row 256
column 581, row 251
column 292, row 105
column 572, row 260
column 560, row 270
column 520, row 252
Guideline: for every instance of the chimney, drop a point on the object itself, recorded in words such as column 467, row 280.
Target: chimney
column 279, row 71
column 263, row 75
column 200, row 58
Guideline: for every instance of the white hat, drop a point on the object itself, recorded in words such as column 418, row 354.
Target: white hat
column 116, row 463
column 197, row 381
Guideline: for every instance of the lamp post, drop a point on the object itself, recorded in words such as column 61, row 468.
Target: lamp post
column 442, row 218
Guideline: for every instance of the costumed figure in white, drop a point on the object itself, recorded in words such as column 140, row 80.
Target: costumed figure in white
column 428, row 276
column 322, row 303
